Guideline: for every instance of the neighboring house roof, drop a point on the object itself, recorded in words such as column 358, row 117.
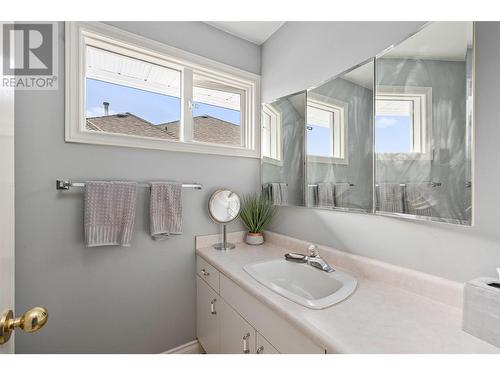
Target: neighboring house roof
column 206, row 128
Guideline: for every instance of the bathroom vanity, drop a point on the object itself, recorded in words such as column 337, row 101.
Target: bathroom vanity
column 393, row 309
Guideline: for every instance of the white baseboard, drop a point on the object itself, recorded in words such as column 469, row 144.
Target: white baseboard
column 192, row 347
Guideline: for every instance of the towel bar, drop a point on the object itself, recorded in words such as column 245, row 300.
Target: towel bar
column 65, row 185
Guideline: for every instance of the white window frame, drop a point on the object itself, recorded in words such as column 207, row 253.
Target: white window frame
column 274, row 136
column 421, row 126
column 339, row 130
column 80, row 34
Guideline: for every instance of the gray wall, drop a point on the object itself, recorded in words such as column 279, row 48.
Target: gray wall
column 302, row 54
column 112, row 299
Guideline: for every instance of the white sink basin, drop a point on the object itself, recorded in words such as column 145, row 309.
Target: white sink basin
column 302, row 283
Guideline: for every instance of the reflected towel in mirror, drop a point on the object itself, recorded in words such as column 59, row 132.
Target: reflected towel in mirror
column 389, row 197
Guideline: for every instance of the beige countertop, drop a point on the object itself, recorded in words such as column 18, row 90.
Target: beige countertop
column 377, row 318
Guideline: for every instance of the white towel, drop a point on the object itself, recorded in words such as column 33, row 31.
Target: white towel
column 389, row 197
column 109, row 213
column 165, row 209
column 325, row 194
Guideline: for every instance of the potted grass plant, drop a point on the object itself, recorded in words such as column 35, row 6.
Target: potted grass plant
column 256, row 213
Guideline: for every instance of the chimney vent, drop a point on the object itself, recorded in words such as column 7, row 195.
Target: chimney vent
column 106, row 108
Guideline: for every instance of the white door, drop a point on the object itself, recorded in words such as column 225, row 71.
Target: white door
column 237, row 336
column 207, row 317
column 6, row 206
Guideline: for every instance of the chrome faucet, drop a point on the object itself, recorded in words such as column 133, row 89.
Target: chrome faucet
column 313, row 259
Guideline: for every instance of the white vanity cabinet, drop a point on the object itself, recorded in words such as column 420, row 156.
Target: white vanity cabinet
column 207, row 318
column 237, row 336
column 230, row 320
column 262, row 346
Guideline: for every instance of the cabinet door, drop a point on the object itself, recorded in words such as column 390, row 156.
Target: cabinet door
column 207, row 317
column 236, row 335
column 263, row 346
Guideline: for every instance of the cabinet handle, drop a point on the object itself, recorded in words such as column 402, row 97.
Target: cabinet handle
column 212, row 306
column 204, row 272
column 260, row 350
column 245, row 344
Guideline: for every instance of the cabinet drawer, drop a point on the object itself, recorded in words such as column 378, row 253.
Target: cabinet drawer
column 262, row 346
column 207, row 273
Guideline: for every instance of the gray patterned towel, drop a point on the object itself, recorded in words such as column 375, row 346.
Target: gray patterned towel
column 389, row 197
column 342, row 194
column 276, row 193
column 418, row 199
column 325, row 195
column 284, row 193
column 109, row 213
column 165, row 209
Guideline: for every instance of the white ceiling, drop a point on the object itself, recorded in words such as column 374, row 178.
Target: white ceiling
column 437, row 41
column 256, row 32
column 362, row 75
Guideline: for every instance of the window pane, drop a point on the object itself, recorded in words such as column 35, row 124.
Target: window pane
column 216, row 114
column 393, row 126
column 131, row 97
column 319, row 132
column 266, row 135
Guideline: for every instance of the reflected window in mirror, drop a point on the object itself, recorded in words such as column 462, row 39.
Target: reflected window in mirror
column 403, row 122
column 271, row 134
column 339, row 148
column 283, row 149
column 326, row 131
column 423, row 130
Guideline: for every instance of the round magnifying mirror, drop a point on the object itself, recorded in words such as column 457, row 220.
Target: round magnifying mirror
column 223, row 207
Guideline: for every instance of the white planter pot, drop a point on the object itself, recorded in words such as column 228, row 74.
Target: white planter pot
column 254, row 238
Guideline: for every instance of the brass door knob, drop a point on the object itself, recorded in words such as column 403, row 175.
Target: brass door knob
column 31, row 321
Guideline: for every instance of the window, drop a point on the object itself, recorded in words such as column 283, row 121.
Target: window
column 403, row 123
column 271, row 134
column 125, row 90
column 217, row 112
column 131, row 97
column 326, row 131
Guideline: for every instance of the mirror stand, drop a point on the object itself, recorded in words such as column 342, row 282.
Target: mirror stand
column 224, row 245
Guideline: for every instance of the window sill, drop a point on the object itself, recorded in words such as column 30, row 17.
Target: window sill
column 326, row 160
column 124, row 140
column 396, row 156
column 276, row 162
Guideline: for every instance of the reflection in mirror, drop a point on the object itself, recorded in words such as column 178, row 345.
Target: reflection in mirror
column 283, row 147
column 340, row 142
column 224, row 206
column 423, row 119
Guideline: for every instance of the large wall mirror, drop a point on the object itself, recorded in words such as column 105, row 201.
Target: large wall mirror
column 339, row 141
column 283, row 145
column 423, row 124
column 391, row 136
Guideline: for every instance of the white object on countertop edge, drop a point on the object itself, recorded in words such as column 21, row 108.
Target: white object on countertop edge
column 498, row 270
column 481, row 310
